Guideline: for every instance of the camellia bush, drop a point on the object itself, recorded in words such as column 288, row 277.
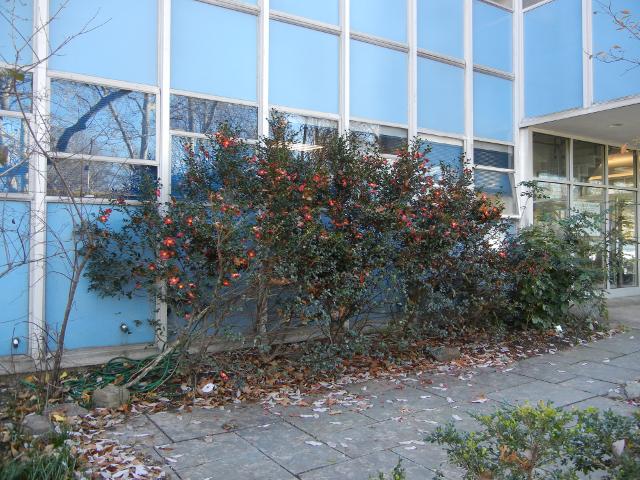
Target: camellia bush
column 338, row 237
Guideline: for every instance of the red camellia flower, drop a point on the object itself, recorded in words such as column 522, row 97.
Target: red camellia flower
column 262, row 172
column 224, row 377
column 165, row 255
column 103, row 218
column 226, row 282
column 168, row 221
column 251, row 254
column 189, row 221
column 157, row 192
column 174, row 281
column 235, row 276
column 152, row 266
column 169, row 242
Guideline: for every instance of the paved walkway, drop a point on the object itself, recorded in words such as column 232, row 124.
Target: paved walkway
column 358, row 430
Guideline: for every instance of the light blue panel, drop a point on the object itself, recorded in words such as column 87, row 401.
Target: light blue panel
column 378, row 83
column 442, row 154
column 16, row 25
column 382, row 18
column 440, row 96
column 303, row 68
column 492, row 107
column 441, row 26
column 327, row 11
column 615, row 79
column 492, row 36
column 95, row 321
column 213, row 50
column 14, row 285
column 553, row 57
column 119, row 40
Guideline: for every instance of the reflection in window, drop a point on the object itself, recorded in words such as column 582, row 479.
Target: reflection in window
column 443, row 155
column 378, row 83
column 492, row 155
column 303, row 68
column 15, row 86
column 621, row 167
column 308, row 131
column 327, row 11
column 16, row 26
column 382, row 18
column 622, row 228
column 87, row 178
column 588, row 162
column 441, row 27
column 97, row 120
column 119, row 38
column 180, row 147
column 440, row 96
column 198, row 115
column 498, row 186
column 492, row 107
column 589, row 200
column 14, row 161
column 387, row 139
column 492, row 36
column 213, row 50
column 555, row 206
column 550, row 156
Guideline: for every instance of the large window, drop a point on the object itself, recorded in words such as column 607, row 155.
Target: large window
column 494, row 174
column 599, row 180
column 553, row 57
column 492, row 107
column 108, row 38
column 378, row 83
column 381, row 18
column 213, row 50
column 14, row 159
column 443, row 155
column 441, row 27
column 492, row 36
column 16, row 26
column 303, row 68
column 440, row 96
column 387, row 139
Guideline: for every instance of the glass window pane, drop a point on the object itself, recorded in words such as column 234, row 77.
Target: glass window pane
column 497, row 186
column 98, row 179
column 441, row 26
column 588, row 162
column 213, row 50
column 16, row 26
column 613, row 76
column 382, row 18
column 492, row 107
column 622, row 228
column 179, row 149
column 378, row 83
column 15, row 91
column 622, row 167
column 197, row 115
column 589, row 200
column 492, row 36
column 119, row 39
column 303, row 68
column 14, row 159
column 98, row 120
column 327, row 11
column 492, row 155
column 553, row 208
column 550, row 156
column 442, row 154
column 310, row 131
column 553, row 57
column 388, row 139
column 440, row 96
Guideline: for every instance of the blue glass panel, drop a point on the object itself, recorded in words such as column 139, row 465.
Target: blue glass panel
column 327, row 11
column 382, row 18
column 213, row 50
column 441, row 26
column 553, row 57
column 492, row 36
column 440, row 96
column 614, row 79
column 119, row 41
column 378, row 83
column 14, row 284
column 441, row 154
column 16, row 26
column 97, row 120
column 14, row 161
column 15, row 91
column 492, row 107
column 497, row 185
column 95, row 321
column 303, row 68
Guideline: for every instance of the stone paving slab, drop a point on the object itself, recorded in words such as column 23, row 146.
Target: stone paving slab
column 433, row 457
column 322, row 423
column 605, row 372
column 604, row 404
column 537, row 391
column 546, row 370
column 587, row 384
column 631, row 361
column 401, row 402
column 624, row 343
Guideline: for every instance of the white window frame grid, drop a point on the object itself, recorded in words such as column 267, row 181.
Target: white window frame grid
column 605, row 186
column 42, row 76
